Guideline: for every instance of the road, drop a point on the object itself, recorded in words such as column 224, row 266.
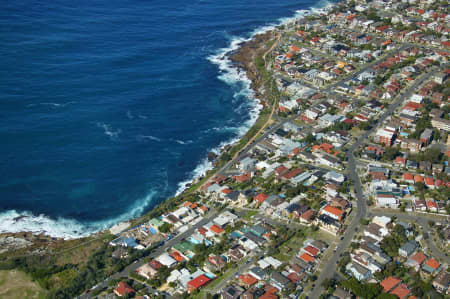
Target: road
column 240, row 270
column 160, row 250
column 422, row 220
column 353, row 177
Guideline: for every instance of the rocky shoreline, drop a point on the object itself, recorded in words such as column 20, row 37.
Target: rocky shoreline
column 242, row 58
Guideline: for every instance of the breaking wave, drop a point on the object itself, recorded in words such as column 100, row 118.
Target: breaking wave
column 235, row 77
column 13, row 221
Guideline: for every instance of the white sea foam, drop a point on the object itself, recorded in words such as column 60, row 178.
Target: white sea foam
column 236, row 77
column 113, row 135
column 130, row 115
column 53, row 105
column 183, row 142
column 14, row 221
column 148, row 137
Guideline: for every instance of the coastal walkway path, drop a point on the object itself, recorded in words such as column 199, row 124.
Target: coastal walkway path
column 263, row 127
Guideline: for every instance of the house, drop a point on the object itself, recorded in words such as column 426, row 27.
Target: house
column 384, row 136
column 217, row 261
column 416, row 260
column 258, row 273
column 149, row 270
column 198, row 283
column 386, row 201
column 261, row 197
column 441, row 124
column 166, row 260
column 332, row 212
column 390, row 283
column 408, row 248
column 248, row 279
column 401, row 291
column 400, row 161
column 426, row 136
column 376, row 232
column 408, row 178
column 334, row 176
column 279, row 281
column 440, row 77
column 442, row 282
column 359, row 272
column 123, row 289
column 431, row 267
column 232, row 292
column 382, row 221
column 247, row 164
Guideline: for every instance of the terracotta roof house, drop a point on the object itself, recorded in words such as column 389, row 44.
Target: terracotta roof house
column 311, row 250
column 432, row 267
column 418, row 179
column 401, row 291
column 307, row 258
column 198, row 283
column 216, row 229
column 261, row 197
column 248, row 279
column 408, row 177
column 389, row 283
column 333, row 212
column 416, row 260
column 123, row 289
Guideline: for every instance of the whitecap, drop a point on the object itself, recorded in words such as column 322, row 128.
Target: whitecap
column 130, row 115
column 148, row 137
column 233, row 76
column 113, row 135
column 13, row 221
column 183, row 142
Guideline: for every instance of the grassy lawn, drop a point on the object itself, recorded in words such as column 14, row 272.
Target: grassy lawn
column 250, row 214
column 16, row 284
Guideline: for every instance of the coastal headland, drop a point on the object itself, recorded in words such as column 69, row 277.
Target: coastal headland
column 340, row 189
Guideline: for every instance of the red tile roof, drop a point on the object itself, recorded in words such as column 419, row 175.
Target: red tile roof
column 332, row 210
column 419, row 257
column 408, row 176
column 294, row 277
column 123, row 288
column 307, row 257
column 295, row 49
column 433, row 263
column 176, row 256
column 198, row 282
column 311, row 250
column 155, row 264
column 261, row 197
column 216, row 229
column 418, row 178
column 389, row 283
column 429, row 181
column 307, row 215
column 401, row 291
column 248, row 279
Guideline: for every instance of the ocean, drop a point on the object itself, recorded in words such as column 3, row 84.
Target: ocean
column 110, row 107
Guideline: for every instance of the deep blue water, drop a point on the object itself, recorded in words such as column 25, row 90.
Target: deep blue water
column 106, row 106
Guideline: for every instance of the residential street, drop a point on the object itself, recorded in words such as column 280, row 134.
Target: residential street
column 354, row 178
column 132, row 267
column 422, row 220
